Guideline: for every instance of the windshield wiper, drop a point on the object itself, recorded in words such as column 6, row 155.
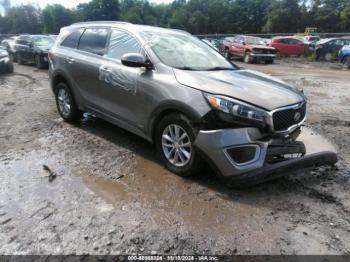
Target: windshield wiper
column 187, row 68
column 218, row 68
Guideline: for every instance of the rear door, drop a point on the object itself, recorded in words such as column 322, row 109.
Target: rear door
column 86, row 62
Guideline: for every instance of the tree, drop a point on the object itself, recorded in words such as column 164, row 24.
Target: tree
column 24, row 19
column 5, row 4
column 55, row 17
column 250, row 15
column 99, row 10
column 283, row 17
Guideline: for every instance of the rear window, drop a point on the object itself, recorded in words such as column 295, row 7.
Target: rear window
column 94, row 40
column 72, row 40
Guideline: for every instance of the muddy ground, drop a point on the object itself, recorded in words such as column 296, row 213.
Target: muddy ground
column 112, row 196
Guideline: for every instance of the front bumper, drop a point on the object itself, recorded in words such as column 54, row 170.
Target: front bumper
column 270, row 56
column 258, row 167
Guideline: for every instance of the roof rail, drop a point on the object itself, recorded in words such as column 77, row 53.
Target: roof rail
column 100, row 22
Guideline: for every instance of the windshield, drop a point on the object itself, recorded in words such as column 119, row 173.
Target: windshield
column 185, row 52
column 43, row 41
column 254, row 41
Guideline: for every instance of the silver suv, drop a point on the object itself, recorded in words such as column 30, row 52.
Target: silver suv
column 177, row 92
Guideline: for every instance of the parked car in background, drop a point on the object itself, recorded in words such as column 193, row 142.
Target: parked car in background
column 344, row 56
column 54, row 37
column 251, row 49
column 287, row 46
column 9, row 44
column 6, row 65
column 312, row 38
column 177, row 92
column 212, row 43
column 329, row 48
column 33, row 49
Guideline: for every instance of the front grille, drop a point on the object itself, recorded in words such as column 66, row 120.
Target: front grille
column 284, row 119
column 264, row 51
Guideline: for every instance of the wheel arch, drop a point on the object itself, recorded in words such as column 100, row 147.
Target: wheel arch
column 171, row 107
column 59, row 78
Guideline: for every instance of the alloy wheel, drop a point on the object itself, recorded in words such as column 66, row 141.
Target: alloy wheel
column 64, row 102
column 176, row 145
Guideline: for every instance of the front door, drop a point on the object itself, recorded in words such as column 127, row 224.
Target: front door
column 119, row 83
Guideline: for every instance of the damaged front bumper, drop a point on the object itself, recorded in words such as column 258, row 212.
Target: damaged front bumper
column 244, row 157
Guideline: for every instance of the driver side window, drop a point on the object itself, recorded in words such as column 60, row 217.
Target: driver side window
column 122, row 43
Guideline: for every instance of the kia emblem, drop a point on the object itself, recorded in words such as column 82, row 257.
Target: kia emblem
column 297, row 117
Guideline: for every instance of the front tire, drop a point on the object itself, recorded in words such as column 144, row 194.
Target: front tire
column 346, row 62
column 269, row 61
column 227, row 54
column 174, row 139
column 247, row 58
column 19, row 59
column 39, row 62
column 328, row 57
column 65, row 104
column 9, row 68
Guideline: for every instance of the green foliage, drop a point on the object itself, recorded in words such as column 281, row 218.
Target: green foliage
column 56, row 16
column 22, row 19
column 195, row 16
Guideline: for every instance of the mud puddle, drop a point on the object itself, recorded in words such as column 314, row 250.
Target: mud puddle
column 315, row 142
column 172, row 199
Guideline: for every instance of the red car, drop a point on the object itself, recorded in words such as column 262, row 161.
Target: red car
column 288, row 45
column 249, row 48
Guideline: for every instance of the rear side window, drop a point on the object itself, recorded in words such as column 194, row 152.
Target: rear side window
column 122, row 43
column 72, row 40
column 94, row 40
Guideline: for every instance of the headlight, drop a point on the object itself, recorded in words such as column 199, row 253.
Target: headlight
column 236, row 108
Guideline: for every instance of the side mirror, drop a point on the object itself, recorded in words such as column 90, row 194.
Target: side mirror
column 135, row 60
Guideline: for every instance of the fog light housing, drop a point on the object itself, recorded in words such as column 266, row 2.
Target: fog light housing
column 243, row 155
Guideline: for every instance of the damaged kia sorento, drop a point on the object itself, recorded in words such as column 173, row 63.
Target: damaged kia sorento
column 175, row 91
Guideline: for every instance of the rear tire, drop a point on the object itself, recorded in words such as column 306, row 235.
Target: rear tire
column 178, row 155
column 65, row 103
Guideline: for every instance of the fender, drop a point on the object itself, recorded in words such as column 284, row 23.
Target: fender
column 168, row 106
column 61, row 74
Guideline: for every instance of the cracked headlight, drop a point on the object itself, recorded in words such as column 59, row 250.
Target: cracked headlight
column 239, row 110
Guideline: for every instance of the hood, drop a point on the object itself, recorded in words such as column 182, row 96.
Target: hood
column 3, row 53
column 246, row 85
column 44, row 49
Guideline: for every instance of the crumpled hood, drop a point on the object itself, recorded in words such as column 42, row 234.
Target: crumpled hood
column 246, row 85
column 44, row 49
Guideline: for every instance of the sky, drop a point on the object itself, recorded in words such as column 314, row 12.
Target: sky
column 67, row 3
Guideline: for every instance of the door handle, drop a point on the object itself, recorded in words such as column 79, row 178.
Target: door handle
column 70, row 60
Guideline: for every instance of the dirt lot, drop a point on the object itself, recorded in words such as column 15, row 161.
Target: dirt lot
column 112, row 196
